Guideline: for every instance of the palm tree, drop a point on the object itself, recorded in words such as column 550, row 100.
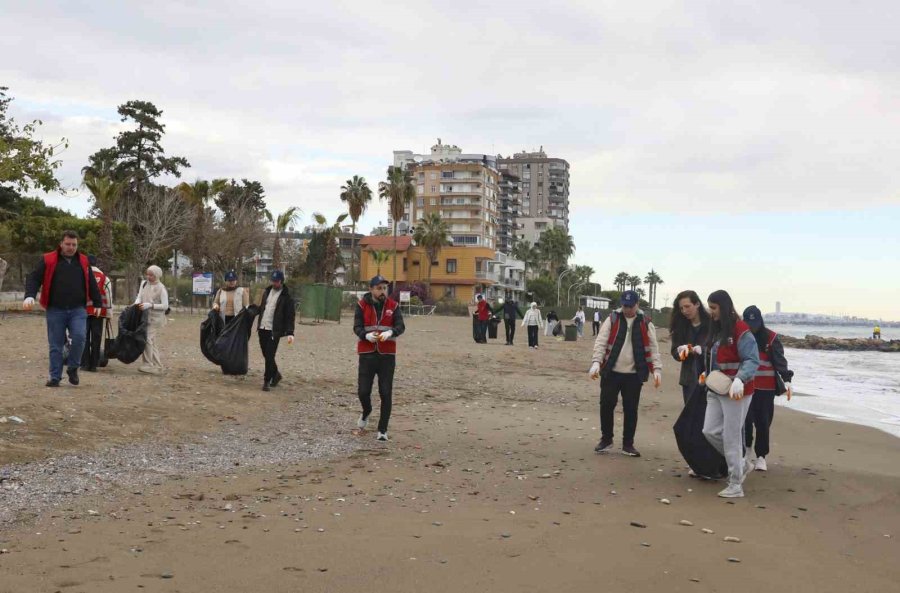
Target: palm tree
column 432, row 233
column 556, row 245
column 634, row 282
column 653, row 279
column 379, row 257
column 106, row 193
column 527, row 253
column 330, row 235
column 397, row 191
column 198, row 195
column 283, row 222
column 621, row 280
column 357, row 195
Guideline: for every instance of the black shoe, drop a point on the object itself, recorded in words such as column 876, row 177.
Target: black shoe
column 90, row 369
column 73, row 375
column 630, row 451
column 52, row 383
column 265, row 386
column 603, row 446
column 276, row 380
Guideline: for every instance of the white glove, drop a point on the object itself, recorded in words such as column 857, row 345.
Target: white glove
column 28, row 304
column 595, row 370
column 789, row 391
column 386, row 335
column 657, row 379
column 145, row 306
column 698, row 350
column 683, row 352
column 215, row 306
column 290, row 340
column 737, row 389
column 372, row 337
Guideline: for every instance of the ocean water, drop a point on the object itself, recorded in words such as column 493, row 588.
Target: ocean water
column 858, row 387
column 834, row 331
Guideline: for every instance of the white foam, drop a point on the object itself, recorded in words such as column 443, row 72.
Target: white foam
column 858, row 387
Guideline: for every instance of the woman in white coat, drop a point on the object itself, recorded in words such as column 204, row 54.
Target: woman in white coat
column 533, row 322
column 153, row 297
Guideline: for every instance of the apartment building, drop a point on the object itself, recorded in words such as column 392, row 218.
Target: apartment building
column 543, row 185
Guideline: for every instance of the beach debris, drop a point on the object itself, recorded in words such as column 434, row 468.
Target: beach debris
column 93, row 513
column 695, row 580
column 733, row 559
column 686, row 523
column 4, row 551
column 732, row 539
column 13, row 419
column 645, row 544
column 638, row 524
column 665, row 501
column 506, row 535
column 705, row 530
column 167, row 575
column 437, row 523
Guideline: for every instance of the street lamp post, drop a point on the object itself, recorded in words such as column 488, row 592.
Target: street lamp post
column 558, row 280
column 569, row 292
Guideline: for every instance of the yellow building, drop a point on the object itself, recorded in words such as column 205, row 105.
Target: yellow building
column 458, row 273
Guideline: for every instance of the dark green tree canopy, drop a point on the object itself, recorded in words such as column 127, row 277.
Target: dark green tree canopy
column 234, row 198
column 25, row 163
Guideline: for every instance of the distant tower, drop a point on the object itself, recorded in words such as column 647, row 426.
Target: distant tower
column 778, row 306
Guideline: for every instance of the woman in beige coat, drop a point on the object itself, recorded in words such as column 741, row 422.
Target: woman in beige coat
column 153, row 297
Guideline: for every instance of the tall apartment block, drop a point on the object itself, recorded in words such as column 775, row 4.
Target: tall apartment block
column 543, row 189
column 463, row 188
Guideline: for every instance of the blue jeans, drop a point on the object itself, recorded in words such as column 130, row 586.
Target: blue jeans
column 58, row 321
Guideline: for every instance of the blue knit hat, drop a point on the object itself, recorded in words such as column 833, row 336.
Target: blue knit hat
column 277, row 276
column 230, row 275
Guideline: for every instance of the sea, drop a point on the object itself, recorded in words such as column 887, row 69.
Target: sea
column 857, row 387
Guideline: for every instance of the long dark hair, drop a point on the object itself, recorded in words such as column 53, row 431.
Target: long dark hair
column 679, row 326
column 721, row 330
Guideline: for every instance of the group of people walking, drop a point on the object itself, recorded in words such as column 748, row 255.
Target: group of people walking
column 733, row 362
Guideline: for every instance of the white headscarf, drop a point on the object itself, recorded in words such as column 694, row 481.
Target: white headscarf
column 156, row 271
column 534, row 305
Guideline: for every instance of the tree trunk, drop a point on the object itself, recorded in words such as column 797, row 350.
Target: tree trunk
column 106, row 243
column 394, row 279
column 353, row 277
column 3, row 267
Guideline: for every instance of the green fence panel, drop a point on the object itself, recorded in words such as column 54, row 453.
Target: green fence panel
column 318, row 301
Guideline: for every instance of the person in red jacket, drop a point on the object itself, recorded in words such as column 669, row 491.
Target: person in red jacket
column 484, row 315
column 378, row 323
column 66, row 285
column 93, row 341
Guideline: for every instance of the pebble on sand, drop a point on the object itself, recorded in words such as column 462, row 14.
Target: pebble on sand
column 637, row 524
column 732, row 539
column 734, row 559
column 665, row 501
column 686, row 523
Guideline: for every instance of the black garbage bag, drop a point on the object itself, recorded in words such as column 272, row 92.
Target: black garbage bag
column 132, row 338
column 557, row 329
column 231, row 348
column 210, row 330
column 696, row 450
column 492, row 327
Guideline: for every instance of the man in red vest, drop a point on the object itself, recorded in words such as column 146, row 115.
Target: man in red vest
column 378, row 323
column 66, row 284
column 93, row 341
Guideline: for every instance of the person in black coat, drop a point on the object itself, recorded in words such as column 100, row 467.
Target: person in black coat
column 509, row 309
column 276, row 320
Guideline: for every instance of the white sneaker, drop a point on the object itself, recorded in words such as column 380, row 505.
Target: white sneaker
column 761, row 464
column 748, row 467
column 732, row 491
column 362, row 422
column 382, row 436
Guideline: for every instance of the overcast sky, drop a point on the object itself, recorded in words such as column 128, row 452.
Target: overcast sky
column 750, row 146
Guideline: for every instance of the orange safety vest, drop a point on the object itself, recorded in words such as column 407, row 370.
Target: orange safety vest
column 373, row 323
column 50, row 261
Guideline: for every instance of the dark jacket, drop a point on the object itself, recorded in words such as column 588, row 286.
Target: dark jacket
column 693, row 366
column 283, row 322
column 780, row 364
column 509, row 309
column 552, row 316
column 67, row 286
column 359, row 324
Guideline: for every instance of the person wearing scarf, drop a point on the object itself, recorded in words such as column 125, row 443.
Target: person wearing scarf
column 153, row 297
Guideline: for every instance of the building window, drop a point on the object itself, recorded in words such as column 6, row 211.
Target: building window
column 446, row 174
column 420, row 189
column 433, row 176
column 433, row 201
column 433, row 188
column 420, row 202
column 450, row 292
column 451, row 266
column 404, row 264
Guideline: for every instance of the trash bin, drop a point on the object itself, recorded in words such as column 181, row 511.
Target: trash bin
column 571, row 333
column 475, row 327
column 492, row 327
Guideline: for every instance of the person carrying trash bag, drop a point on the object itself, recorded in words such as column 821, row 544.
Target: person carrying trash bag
column 231, row 298
column 231, row 346
column 276, row 320
column 210, row 330
column 132, row 339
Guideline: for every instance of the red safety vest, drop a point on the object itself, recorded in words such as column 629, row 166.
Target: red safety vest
column 374, row 324
column 728, row 359
column 100, row 277
column 765, row 375
column 484, row 310
column 614, row 333
column 50, row 261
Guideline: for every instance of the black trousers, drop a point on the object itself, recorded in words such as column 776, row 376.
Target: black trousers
column 595, row 327
column 93, row 341
column 687, row 390
column 762, row 409
column 269, row 346
column 532, row 335
column 629, row 385
column 381, row 365
column 510, row 326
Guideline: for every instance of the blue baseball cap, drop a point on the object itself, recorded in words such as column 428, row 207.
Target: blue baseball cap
column 753, row 316
column 376, row 280
column 630, row 298
column 277, row 276
column 230, row 275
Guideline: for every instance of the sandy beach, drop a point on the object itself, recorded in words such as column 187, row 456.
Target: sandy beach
column 196, row 482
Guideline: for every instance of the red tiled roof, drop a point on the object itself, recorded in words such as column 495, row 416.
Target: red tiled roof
column 385, row 242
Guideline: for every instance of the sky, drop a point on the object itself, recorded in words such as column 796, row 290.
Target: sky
column 750, row 146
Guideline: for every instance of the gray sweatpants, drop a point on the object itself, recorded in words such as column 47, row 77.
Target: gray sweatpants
column 723, row 427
